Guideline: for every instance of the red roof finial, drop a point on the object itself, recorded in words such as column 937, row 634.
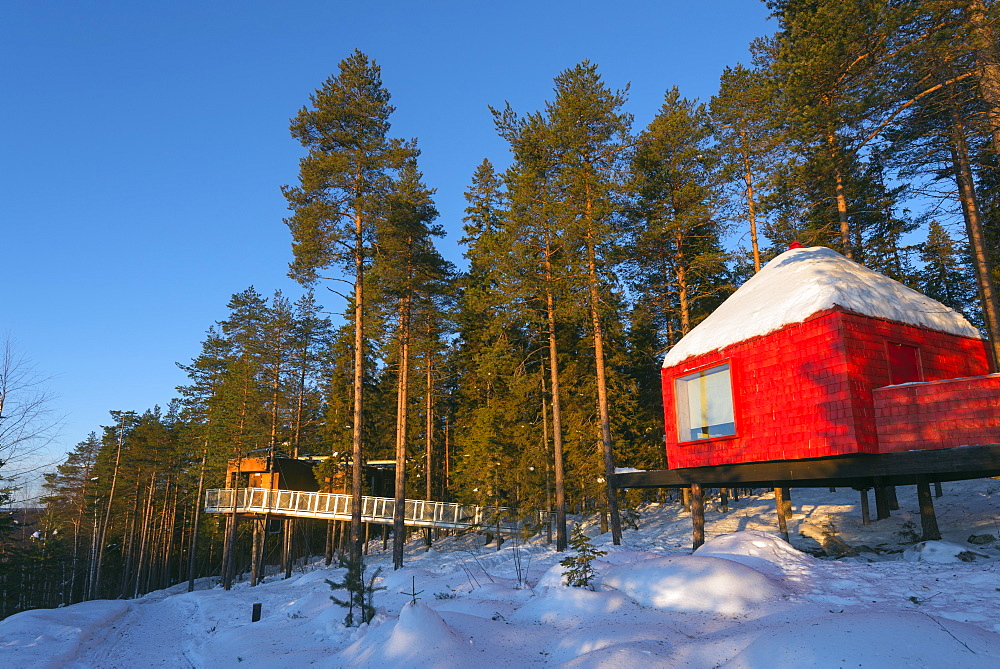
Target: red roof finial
column 795, row 245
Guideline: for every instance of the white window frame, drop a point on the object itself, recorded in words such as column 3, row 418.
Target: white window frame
column 713, row 415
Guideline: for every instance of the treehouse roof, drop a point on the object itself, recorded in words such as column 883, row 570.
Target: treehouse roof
column 802, row 282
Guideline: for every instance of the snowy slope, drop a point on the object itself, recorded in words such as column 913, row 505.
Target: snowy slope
column 802, row 282
column 746, row 599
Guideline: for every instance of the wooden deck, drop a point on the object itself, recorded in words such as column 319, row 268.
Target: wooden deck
column 858, row 471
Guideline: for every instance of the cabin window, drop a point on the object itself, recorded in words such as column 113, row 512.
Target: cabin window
column 705, row 404
column 904, row 363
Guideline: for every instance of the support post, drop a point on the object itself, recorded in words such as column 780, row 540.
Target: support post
column 228, row 554
column 928, row 520
column 779, row 506
column 289, row 551
column 881, row 501
column 866, row 516
column 786, row 502
column 697, row 516
column 256, row 550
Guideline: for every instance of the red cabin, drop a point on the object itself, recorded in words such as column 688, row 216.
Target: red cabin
column 796, row 364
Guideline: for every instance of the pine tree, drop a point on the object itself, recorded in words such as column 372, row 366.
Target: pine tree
column 946, row 275
column 746, row 127
column 343, row 181
column 828, row 59
column 360, row 592
column 496, row 357
column 71, row 504
column 539, row 263
column 579, row 567
column 411, row 274
column 590, row 135
column 677, row 263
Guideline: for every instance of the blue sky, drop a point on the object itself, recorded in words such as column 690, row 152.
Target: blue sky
column 145, row 144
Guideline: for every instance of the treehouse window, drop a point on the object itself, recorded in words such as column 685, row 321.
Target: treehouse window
column 705, row 404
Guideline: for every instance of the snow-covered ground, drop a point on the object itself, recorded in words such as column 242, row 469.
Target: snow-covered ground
column 745, row 599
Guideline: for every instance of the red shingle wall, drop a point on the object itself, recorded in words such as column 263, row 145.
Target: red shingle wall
column 939, row 414
column 942, row 356
column 805, row 391
column 791, row 398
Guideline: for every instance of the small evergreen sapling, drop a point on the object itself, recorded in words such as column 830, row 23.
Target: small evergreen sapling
column 579, row 571
column 360, row 593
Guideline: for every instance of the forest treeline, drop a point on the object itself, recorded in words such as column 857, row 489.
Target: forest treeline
column 868, row 127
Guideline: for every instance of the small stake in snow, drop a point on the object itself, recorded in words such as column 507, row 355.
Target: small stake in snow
column 413, row 590
column 255, row 616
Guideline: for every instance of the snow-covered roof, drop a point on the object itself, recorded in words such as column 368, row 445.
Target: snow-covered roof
column 804, row 281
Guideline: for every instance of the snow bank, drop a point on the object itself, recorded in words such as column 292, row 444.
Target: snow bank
column 419, row 638
column 941, row 552
column 694, row 583
column 54, row 634
column 899, row 639
column 802, row 282
column 566, row 607
column 764, row 552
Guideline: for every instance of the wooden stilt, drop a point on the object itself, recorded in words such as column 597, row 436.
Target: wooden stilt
column 228, row 554
column 724, row 500
column 289, row 537
column 881, row 502
column 686, row 499
column 779, row 506
column 866, row 517
column 928, row 520
column 255, row 551
column 893, row 500
column 937, row 489
column 331, row 527
column 697, row 498
column 283, row 563
column 786, row 502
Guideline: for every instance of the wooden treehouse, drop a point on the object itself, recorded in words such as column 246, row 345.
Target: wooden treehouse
column 272, row 472
column 273, row 492
column 283, row 473
column 820, row 372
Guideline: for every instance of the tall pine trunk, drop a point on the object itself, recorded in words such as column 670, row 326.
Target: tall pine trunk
column 977, row 240
column 359, row 359
column 607, row 448
column 557, row 441
column 402, row 401
column 751, row 203
column 193, row 547
column 429, row 421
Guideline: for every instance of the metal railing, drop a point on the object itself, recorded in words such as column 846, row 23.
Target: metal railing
column 380, row 510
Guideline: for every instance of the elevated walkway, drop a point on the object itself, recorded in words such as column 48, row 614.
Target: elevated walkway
column 378, row 510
